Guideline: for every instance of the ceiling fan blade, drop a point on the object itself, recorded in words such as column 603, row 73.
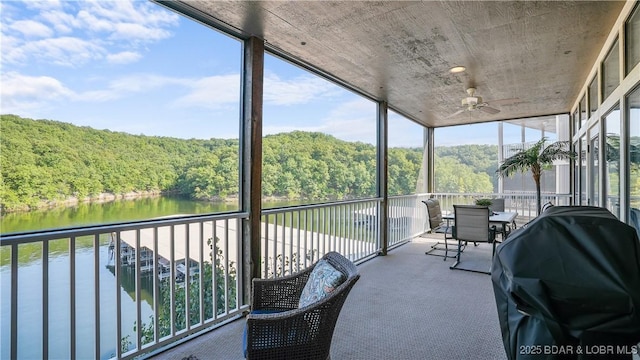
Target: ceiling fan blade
column 488, row 109
column 510, row 101
column 456, row 113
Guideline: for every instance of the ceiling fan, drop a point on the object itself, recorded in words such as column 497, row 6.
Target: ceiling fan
column 473, row 103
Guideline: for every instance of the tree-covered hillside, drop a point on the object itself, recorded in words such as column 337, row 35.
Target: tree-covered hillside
column 45, row 161
column 480, row 160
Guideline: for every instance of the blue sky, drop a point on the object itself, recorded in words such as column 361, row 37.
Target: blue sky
column 134, row 66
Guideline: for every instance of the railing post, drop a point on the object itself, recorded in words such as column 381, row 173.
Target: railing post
column 14, row 301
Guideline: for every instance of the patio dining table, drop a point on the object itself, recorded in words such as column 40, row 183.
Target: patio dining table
column 503, row 218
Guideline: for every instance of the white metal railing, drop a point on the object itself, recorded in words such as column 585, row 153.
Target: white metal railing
column 169, row 279
column 173, row 277
column 408, row 218
column 512, row 149
column 522, row 202
column 295, row 237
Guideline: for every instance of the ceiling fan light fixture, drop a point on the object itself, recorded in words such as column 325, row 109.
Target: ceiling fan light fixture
column 457, row 69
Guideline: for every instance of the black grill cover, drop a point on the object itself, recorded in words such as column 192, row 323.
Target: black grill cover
column 567, row 286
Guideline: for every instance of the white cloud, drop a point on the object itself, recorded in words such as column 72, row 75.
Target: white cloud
column 121, row 20
column 20, row 93
column 31, row 28
column 61, row 21
column 211, row 92
column 140, row 12
column 17, row 85
column 125, row 57
column 353, row 129
column 353, row 120
column 144, row 83
column 130, row 31
column 94, row 23
column 64, row 51
column 7, row 43
column 44, row 5
column 299, row 90
column 70, row 33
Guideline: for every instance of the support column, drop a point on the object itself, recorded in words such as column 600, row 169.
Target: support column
column 500, row 156
column 251, row 165
column 429, row 160
column 383, row 193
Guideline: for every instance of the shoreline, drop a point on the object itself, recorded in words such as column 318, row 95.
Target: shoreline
column 129, row 196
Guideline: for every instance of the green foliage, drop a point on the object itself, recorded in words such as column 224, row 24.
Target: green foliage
column 536, row 158
column 479, row 159
column 455, row 177
column 47, row 161
column 484, row 202
column 285, row 266
column 303, row 165
column 225, row 295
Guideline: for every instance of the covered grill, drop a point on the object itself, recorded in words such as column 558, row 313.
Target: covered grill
column 567, row 286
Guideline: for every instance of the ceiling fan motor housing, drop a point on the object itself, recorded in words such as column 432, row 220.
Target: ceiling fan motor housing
column 471, row 101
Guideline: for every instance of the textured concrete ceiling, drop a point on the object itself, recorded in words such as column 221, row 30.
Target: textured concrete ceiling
column 537, row 52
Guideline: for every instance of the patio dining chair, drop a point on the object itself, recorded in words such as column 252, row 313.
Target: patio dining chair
column 472, row 225
column 497, row 205
column 293, row 317
column 437, row 225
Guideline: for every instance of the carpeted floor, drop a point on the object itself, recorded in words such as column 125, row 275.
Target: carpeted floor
column 406, row 305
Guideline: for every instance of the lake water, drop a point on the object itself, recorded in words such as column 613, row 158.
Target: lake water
column 30, row 277
column 30, row 305
column 106, row 213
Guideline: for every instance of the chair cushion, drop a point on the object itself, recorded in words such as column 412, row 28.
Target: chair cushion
column 322, row 280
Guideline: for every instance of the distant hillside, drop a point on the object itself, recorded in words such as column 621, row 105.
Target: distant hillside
column 47, row 161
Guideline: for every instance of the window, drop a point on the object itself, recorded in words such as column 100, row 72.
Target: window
column 463, row 163
column 593, row 96
column 126, row 123
column 583, row 111
column 144, row 103
column 319, row 140
column 632, row 32
column 611, row 71
column 594, row 163
column 405, row 159
column 583, row 170
column 612, row 161
column 633, row 111
column 576, row 121
column 576, row 174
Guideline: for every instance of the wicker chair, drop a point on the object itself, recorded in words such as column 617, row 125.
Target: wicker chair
column 278, row 329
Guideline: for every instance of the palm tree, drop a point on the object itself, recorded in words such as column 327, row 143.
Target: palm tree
column 537, row 158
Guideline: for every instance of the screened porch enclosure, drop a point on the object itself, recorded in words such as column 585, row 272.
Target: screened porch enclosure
column 179, row 284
